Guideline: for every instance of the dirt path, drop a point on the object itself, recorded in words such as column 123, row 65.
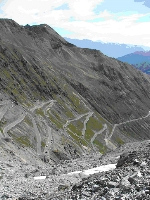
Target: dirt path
column 47, row 107
column 75, row 119
column 13, row 124
column 49, row 139
column 5, row 102
column 98, row 133
column 85, row 122
column 38, row 136
column 3, row 111
column 39, row 105
column 132, row 120
column 6, row 106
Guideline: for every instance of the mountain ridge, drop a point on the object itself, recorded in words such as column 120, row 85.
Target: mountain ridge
column 110, row 49
column 91, row 91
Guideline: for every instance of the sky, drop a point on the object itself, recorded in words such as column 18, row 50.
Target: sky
column 116, row 21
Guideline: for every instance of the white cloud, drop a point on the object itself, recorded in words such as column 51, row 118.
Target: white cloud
column 80, row 9
column 121, row 29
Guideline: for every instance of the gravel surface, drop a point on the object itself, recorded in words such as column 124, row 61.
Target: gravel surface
column 130, row 179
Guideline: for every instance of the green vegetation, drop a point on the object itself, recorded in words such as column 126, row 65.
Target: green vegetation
column 74, row 129
column 40, row 112
column 94, row 124
column 103, row 121
column 56, row 115
column 7, row 74
column 43, row 144
column 55, row 121
column 89, row 134
column 78, row 140
column 77, row 104
column 23, row 140
column 100, row 146
column 28, row 121
column 2, row 123
column 64, row 108
column 119, row 141
column 128, row 133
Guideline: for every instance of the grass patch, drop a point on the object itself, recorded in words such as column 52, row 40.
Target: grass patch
column 28, row 121
column 23, row 140
column 43, row 144
column 100, row 146
column 77, row 104
column 55, row 121
column 65, row 109
column 74, row 129
column 78, row 140
column 94, row 124
column 40, row 112
column 119, row 141
column 88, row 134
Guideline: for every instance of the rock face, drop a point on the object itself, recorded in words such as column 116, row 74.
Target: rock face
column 59, row 101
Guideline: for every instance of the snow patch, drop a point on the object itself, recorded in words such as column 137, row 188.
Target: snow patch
column 40, row 178
column 102, row 168
column 76, row 172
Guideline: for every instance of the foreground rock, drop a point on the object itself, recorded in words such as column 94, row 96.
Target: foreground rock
column 130, row 180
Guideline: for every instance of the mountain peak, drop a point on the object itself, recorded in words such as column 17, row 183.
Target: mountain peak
column 143, row 53
column 9, row 22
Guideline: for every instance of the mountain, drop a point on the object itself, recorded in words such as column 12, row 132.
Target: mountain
column 139, row 59
column 55, row 94
column 136, row 57
column 144, row 67
column 59, row 102
column 110, row 49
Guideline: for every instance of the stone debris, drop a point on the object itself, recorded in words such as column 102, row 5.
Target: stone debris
column 130, row 180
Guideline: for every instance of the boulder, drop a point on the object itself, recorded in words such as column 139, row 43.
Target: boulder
column 126, row 158
column 112, row 184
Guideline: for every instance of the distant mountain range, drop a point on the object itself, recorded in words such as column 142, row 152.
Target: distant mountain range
column 139, row 59
column 136, row 57
column 110, row 49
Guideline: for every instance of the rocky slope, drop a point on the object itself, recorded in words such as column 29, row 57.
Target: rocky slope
column 71, row 180
column 59, row 101
column 61, row 108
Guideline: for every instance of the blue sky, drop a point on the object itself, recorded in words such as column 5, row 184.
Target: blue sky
column 119, row 21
